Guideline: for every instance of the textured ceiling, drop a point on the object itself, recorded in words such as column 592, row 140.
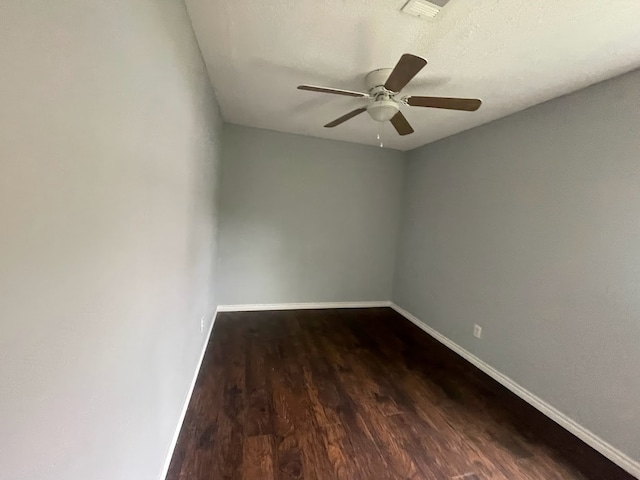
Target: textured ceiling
column 510, row 53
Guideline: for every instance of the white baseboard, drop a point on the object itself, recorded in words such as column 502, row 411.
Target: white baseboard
column 300, row 306
column 588, row 437
column 176, row 434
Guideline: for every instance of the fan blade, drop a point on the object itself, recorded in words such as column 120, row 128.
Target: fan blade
column 467, row 104
column 346, row 117
column 348, row 93
column 407, row 67
column 401, row 124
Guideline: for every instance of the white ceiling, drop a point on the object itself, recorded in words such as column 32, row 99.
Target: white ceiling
column 510, row 53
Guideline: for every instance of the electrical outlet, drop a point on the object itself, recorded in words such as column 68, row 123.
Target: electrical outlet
column 202, row 325
column 477, row 331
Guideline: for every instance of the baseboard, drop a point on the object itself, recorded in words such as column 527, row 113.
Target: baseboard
column 591, row 439
column 176, row 434
column 300, row 306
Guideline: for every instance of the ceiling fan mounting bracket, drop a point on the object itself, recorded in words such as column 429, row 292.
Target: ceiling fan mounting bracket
column 381, row 93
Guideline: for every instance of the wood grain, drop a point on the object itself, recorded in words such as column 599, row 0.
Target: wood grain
column 361, row 395
column 257, row 458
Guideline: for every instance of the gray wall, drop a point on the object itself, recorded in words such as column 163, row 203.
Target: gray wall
column 109, row 139
column 305, row 219
column 530, row 227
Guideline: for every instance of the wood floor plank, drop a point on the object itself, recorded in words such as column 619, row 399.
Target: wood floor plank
column 319, row 378
column 257, row 458
column 361, row 394
column 340, row 453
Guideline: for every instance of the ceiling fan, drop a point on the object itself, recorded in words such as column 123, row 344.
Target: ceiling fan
column 384, row 86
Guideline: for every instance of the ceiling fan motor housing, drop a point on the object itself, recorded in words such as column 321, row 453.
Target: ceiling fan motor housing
column 384, row 108
column 377, row 78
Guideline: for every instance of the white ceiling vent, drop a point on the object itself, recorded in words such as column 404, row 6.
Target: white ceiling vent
column 424, row 9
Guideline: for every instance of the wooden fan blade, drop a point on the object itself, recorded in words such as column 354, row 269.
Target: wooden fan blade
column 467, row 104
column 348, row 93
column 346, row 117
column 401, row 124
column 407, row 67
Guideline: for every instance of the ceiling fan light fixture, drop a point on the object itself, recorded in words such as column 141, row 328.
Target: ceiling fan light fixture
column 383, row 110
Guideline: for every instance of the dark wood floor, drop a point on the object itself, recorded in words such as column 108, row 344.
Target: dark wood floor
column 360, row 395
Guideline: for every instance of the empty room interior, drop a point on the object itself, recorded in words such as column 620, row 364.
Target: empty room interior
column 318, row 240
